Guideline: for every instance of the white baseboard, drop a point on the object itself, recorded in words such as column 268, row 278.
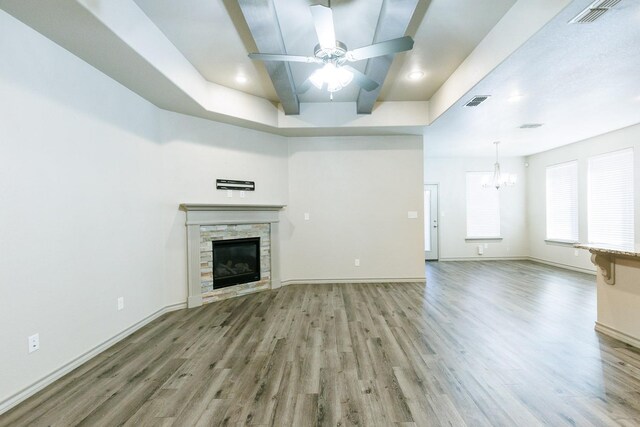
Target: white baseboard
column 565, row 266
column 29, row 391
column 346, row 281
column 614, row 333
column 520, row 258
column 484, row 258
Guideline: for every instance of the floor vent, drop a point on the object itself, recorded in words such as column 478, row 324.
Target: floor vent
column 477, row 100
column 594, row 11
column 531, row 126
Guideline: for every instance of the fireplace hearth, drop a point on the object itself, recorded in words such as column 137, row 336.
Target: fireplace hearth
column 235, row 261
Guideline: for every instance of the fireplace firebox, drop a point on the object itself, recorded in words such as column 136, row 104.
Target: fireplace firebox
column 235, row 261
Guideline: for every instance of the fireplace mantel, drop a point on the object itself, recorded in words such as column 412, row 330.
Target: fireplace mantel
column 198, row 215
column 201, row 214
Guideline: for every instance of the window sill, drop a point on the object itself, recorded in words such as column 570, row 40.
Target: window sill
column 483, row 239
column 568, row 243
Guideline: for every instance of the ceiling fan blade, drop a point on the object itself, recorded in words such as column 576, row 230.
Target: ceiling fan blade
column 362, row 80
column 323, row 21
column 285, row 58
column 380, row 49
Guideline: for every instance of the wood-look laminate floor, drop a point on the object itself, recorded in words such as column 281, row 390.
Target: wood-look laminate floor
column 484, row 343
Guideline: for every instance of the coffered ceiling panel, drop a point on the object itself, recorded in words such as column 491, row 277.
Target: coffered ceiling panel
column 213, row 35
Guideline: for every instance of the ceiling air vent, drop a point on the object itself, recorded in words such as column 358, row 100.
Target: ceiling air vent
column 531, row 126
column 594, row 11
column 477, row 100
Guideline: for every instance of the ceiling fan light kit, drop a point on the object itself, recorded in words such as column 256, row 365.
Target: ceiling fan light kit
column 333, row 55
column 333, row 76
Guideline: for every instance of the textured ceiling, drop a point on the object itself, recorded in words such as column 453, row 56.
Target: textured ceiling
column 578, row 80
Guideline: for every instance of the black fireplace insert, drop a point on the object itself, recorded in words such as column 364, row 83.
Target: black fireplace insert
column 235, row 261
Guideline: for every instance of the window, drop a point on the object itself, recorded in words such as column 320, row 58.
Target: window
column 483, row 207
column 610, row 198
column 562, row 202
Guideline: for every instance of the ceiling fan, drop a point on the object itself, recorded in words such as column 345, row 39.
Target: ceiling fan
column 334, row 56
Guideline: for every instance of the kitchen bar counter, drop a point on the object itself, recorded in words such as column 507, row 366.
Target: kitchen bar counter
column 618, row 290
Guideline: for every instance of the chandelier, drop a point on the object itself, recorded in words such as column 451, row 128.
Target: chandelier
column 499, row 179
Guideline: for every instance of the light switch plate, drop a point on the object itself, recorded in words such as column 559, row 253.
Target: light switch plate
column 356, row 262
column 306, row 216
column 412, row 214
column 120, row 303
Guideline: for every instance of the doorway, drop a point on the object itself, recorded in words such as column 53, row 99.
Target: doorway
column 431, row 222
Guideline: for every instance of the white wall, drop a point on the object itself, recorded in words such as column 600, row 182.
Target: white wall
column 580, row 151
column 450, row 175
column 91, row 176
column 357, row 191
column 79, row 174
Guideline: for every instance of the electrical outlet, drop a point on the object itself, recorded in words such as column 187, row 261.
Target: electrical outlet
column 120, row 303
column 356, row 262
column 229, row 193
column 306, row 216
column 576, row 252
column 242, row 194
column 34, row 343
column 480, row 250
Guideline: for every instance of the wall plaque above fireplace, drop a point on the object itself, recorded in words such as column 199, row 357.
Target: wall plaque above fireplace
column 235, row 261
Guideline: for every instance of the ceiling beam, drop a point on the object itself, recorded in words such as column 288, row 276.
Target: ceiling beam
column 262, row 21
column 393, row 22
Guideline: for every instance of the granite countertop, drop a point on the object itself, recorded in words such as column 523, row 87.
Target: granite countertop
column 610, row 249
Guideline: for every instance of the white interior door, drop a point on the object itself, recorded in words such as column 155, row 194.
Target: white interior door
column 431, row 222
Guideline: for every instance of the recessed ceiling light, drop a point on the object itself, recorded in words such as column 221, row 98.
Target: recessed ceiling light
column 415, row 75
column 241, row 79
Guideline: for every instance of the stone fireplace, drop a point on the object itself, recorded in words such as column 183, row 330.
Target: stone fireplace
column 232, row 250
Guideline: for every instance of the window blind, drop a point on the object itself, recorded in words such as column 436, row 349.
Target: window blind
column 483, row 207
column 610, row 198
column 562, row 202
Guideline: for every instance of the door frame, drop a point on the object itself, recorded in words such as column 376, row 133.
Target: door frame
column 433, row 216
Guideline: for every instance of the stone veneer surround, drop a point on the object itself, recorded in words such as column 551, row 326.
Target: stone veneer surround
column 209, row 222
column 209, row 233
